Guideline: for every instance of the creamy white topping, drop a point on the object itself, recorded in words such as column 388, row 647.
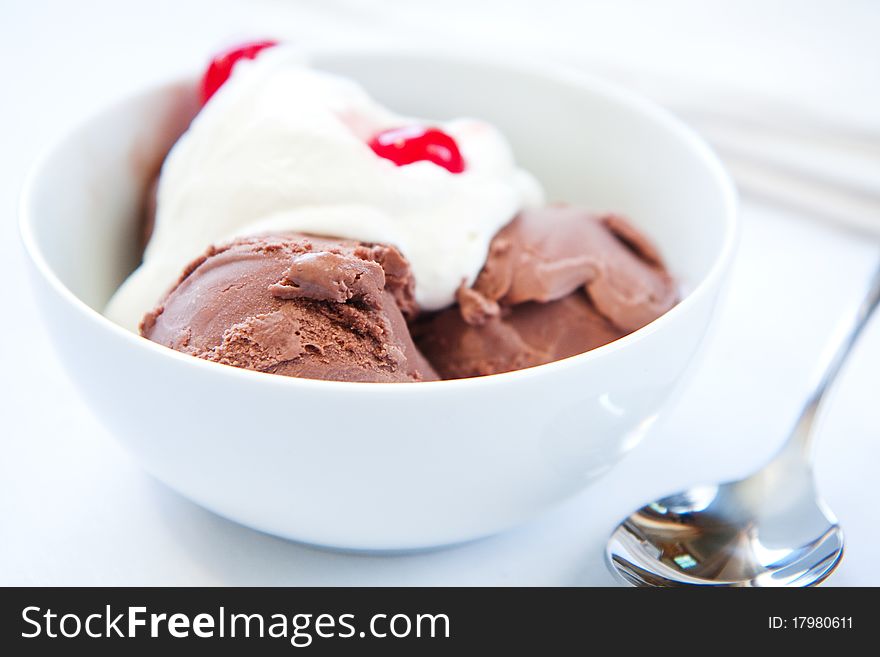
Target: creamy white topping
column 281, row 147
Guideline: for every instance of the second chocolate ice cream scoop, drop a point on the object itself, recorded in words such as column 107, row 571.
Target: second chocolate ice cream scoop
column 544, row 255
column 557, row 282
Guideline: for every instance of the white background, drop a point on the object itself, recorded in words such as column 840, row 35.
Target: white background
column 74, row 509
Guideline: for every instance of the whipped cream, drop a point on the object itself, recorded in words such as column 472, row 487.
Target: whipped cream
column 282, row 147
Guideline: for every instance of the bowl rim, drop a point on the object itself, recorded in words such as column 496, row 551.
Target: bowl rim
column 559, row 73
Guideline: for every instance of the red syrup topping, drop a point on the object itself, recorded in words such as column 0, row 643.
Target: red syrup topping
column 416, row 143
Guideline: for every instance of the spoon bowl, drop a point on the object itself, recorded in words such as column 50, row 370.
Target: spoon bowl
column 716, row 536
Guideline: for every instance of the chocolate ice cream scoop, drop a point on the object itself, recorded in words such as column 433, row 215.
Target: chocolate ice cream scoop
column 546, row 254
column 296, row 305
column 557, row 282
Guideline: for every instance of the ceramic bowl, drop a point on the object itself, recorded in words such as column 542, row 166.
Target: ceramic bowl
column 386, row 466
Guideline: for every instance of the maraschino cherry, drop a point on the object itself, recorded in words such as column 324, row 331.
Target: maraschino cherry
column 416, row 143
column 221, row 65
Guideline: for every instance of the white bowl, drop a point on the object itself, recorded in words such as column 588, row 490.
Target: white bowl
column 386, row 466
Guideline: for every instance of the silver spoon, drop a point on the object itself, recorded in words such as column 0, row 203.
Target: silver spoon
column 770, row 529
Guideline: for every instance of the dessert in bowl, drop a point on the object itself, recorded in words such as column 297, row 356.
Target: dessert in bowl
column 386, row 465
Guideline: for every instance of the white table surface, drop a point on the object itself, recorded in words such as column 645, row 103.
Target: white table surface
column 75, row 509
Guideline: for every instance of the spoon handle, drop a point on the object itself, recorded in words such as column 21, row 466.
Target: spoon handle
column 802, row 435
